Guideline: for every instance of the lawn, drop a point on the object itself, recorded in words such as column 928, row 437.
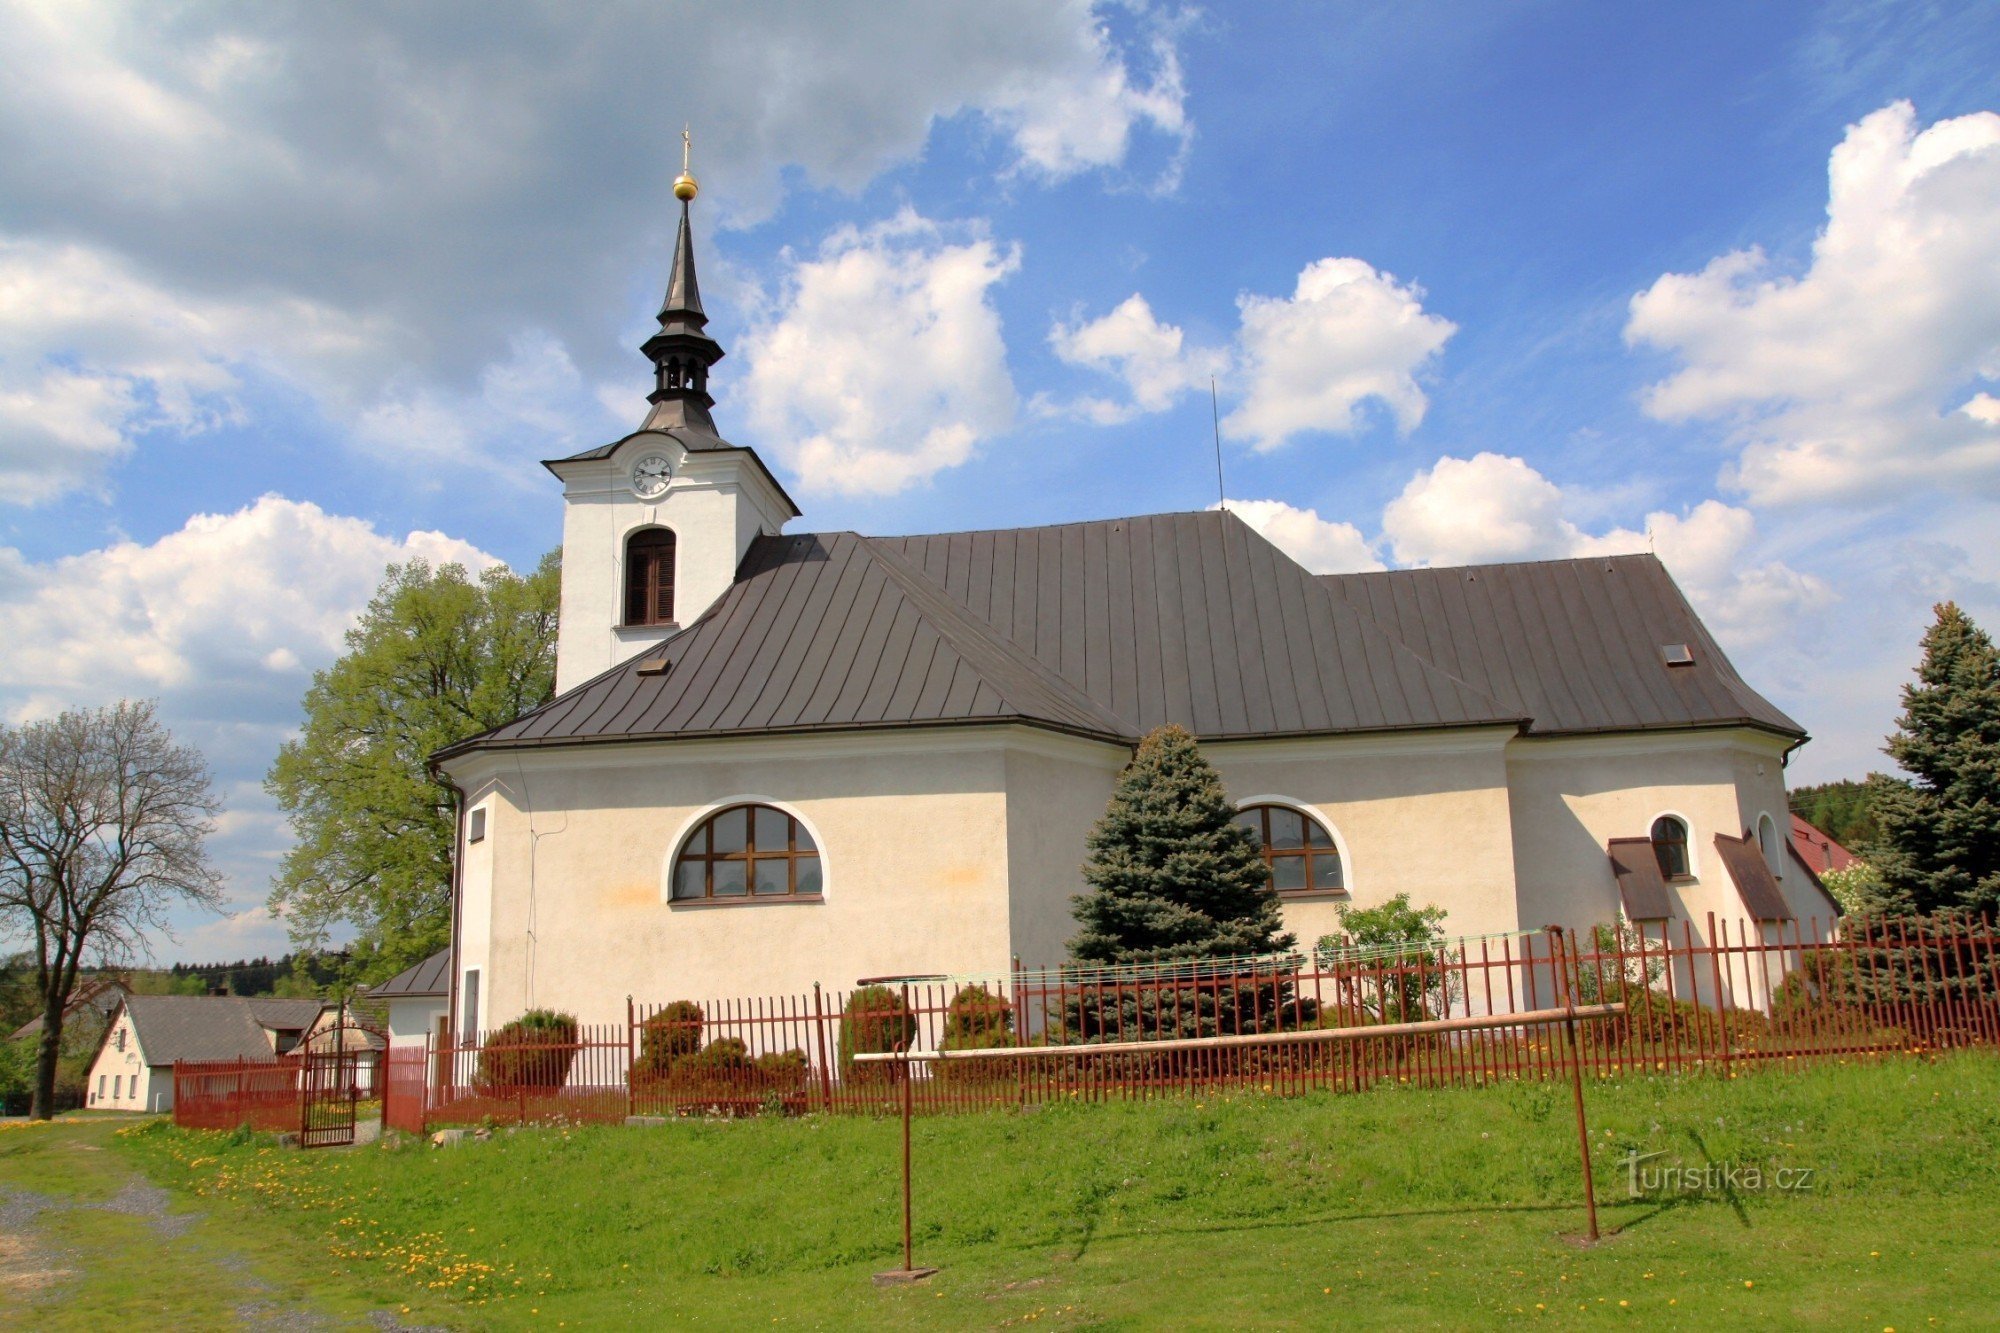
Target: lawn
column 1387, row 1208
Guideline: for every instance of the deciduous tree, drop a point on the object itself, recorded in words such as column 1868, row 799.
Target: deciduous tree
column 103, row 823
column 438, row 656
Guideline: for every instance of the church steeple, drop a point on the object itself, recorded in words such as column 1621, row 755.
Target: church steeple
column 682, row 351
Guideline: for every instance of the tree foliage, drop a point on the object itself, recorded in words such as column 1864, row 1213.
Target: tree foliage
column 1172, row 876
column 1841, row 810
column 1940, row 833
column 438, row 656
column 103, row 828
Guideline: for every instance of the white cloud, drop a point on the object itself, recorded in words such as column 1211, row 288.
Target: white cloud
column 246, row 182
column 1491, row 508
column 215, row 609
column 1151, row 358
column 1860, row 376
column 1082, row 113
column 1321, row 545
column 883, row 363
column 1484, row 508
column 223, row 622
column 1346, row 335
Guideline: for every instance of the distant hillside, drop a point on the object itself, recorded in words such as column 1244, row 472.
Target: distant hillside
column 291, row 974
column 1839, row 810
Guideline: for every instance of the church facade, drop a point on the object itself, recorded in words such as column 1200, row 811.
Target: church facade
column 778, row 759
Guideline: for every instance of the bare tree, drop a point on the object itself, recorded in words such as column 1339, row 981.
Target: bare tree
column 102, row 824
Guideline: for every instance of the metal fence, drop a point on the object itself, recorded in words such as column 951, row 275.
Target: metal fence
column 1736, row 996
column 223, row 1094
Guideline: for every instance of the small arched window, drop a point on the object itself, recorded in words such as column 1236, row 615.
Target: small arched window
column 1670, row 847
column 1767, row 843
column 649, row 577
column 748, row 851
column 1300, row 853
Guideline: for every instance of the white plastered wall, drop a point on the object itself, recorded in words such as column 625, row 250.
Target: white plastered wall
column 473, row 946
column 912, row 829
column 413, row 1020
column 129, row 1084
column 1422, row 814
column 717, row 503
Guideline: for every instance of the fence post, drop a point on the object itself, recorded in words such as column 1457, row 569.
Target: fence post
column 1568, row 996
column 631, row 1059
column 825, row 1065
column 1721, row 1010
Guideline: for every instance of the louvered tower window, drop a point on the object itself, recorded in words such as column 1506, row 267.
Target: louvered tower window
column 649, row 577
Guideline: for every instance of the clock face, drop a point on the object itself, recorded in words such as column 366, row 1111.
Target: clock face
column 650, row 476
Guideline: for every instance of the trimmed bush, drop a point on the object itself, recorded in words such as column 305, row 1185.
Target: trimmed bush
column 874, row 1020
column 536, row 1050
column 668, row 1036
column 977, row 1020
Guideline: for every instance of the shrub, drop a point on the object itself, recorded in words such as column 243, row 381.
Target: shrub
column 536, row 1050
column 1399, row 969
column 977, row 1020
column 670, row 1035
column 875, row 1019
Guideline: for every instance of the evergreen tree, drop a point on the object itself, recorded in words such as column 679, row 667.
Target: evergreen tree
column 1940, row 843
column 1172, row 876
column 1841, row 810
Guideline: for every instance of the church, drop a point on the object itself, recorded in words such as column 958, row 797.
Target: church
column 780, row 758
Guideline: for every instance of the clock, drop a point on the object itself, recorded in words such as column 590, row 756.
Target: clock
column 650, row 476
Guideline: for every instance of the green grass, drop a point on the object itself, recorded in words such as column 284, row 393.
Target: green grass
column 86, row 1243
column 1388, row 1208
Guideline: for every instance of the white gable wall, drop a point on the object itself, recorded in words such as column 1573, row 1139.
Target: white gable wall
column 717, row 503
column 127, row 1082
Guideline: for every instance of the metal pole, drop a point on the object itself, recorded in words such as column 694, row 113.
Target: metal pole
column 1575, row 1078
column 904, row 1047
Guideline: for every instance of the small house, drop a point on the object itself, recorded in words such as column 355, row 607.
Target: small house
column 134, row 1067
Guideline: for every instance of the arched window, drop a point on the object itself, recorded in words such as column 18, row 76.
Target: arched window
column 747, row 851
column 1298, row 849
column 1670, row 847
column 649, row 577
column 1767, row 843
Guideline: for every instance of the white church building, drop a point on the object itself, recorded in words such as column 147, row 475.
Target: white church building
column 778, row 758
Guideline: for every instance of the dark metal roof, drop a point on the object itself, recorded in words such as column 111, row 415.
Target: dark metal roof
column 1640, row 887
column 1102, row 629
column 1573, row 644
column 823, row 631
column 1111, row 628
column 1194, row 619
column 683, row 292
column 431, row 977
column 1755, row 884
column 205, row 1027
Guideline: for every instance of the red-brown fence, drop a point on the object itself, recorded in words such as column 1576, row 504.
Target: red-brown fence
column 1758, row 992
column 223, row 1094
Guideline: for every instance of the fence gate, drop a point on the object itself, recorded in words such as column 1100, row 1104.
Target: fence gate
column 327, row 1098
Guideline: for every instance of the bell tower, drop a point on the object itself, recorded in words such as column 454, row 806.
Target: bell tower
column 655, row 523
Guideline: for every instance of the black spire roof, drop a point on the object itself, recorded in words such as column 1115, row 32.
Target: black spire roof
column 682, row 351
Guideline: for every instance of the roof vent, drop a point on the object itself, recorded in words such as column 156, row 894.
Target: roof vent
column 655, row 666
column 1677, row 654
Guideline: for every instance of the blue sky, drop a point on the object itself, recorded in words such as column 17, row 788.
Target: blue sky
column 289, row 293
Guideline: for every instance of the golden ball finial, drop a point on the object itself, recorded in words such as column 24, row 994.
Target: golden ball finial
column 685, row 187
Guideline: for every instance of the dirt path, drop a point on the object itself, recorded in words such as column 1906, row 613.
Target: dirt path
column 85, row 1241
